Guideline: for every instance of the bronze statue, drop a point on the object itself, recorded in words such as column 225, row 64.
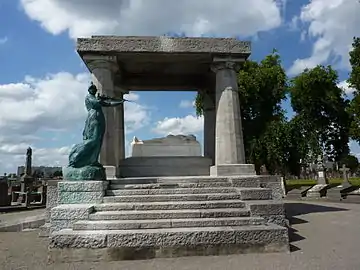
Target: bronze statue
column 83, row 157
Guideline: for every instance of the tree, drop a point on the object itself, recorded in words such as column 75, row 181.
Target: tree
column 354, row 82
column 57, row 174
column 322, row 111
column 350, row 162
column 262, row 87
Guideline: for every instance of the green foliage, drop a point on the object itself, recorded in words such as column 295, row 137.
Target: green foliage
column 354, row 82
column 350, row 162
column 318, row 101
column 262, row 87
column 322, row 121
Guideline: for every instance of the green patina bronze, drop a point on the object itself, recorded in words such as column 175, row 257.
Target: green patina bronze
column 83, row 157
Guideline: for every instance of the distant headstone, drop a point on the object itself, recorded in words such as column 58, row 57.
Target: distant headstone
column 345, row 171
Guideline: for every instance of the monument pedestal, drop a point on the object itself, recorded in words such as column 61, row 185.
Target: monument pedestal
column 76, row 201
column 232, row 170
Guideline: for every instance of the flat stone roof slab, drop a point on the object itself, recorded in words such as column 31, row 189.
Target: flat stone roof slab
column 163, row 44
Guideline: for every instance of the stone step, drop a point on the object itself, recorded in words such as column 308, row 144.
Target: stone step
column 173, row 197
column 165, row 223
column 266, row 207
column 255, row 193
column 169, row 180
column 168, row 242
column 170, row 214
column 174, row 205
column 115, row 186
column 161, row 191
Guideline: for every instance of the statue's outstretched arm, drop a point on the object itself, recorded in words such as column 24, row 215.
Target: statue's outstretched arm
column 111, row 103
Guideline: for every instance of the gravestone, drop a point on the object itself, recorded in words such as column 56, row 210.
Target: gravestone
column 27, row 181
column 171, row 145
column 318, row 190
column 4, row 198
column 337, row 192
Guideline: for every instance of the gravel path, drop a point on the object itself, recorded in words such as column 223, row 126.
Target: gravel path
column 324, row 236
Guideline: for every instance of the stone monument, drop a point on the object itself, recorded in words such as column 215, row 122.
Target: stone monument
column 27, row 181
column 226, row 209
column 83, row 157
column 170, row 145
column 319, row 190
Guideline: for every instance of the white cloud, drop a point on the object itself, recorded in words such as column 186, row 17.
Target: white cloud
column 332, row 23
column 184, row 104
column 188, row 125
column 348, row 91
column 3, row 40
column 54, row 103
column 140, row 17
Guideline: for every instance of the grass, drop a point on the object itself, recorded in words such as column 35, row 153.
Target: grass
column 298, row 183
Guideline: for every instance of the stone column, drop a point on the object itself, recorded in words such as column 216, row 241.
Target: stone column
column 209, row 125
column 229, row 144
column 119, row 130
column 103, row 69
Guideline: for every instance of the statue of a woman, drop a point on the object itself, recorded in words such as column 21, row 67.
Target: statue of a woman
column 83, row 157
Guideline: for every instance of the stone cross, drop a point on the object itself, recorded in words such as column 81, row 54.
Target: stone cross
column 345, row 170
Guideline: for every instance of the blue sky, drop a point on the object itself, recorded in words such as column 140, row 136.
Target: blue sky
column 43, row 80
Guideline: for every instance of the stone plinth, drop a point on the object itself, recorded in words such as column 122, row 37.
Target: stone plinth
column 51, row 202
column 164, row 166
column 76, row 200
column 81, row 192
column 170, row 146
column 84, row 173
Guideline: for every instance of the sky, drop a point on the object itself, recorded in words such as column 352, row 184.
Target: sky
column 43, row 81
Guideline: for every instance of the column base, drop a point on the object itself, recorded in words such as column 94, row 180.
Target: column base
column 110, row 172
column 232, row 170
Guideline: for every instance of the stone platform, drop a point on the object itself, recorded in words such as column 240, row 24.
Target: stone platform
column 164, row 166
column 142, row 218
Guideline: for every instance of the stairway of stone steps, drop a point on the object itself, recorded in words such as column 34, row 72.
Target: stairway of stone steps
column 149, row 212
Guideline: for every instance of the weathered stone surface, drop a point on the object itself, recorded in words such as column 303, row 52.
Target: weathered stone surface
column 71, row 211
column 166, row 223
column 317, row 191
column 110, row 172
column 173, row 197
column 52, row 199
column 84, row 173
column 159, row 191
column 197, row 236
column 255, row 193
column 73, row 197
column 261, row 208
column 161, row 166
column 61, row 224
column 170, row 214
column 280, row 220
column 232, row 169
column 159, row 44
column 175, row 205
column 70, row 239
column 82, row 186
column 170, row 145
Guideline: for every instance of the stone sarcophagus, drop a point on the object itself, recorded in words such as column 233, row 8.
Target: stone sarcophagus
column 169, row 146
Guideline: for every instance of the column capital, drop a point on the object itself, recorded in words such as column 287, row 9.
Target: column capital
column 101, row 62
column 220, row 63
